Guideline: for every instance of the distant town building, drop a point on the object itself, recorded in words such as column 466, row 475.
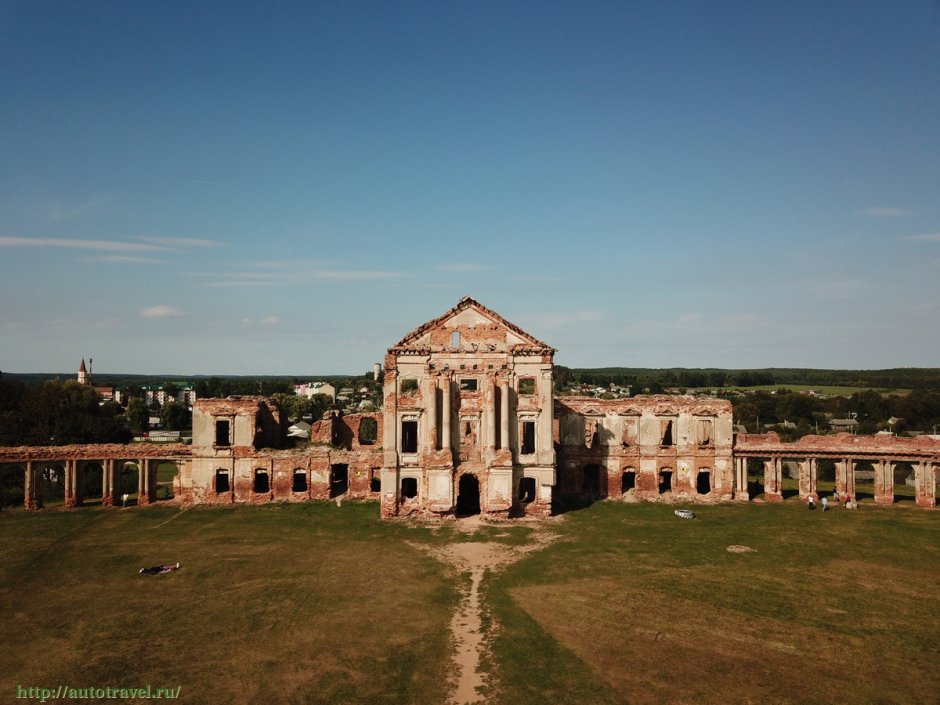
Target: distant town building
column 312, row 389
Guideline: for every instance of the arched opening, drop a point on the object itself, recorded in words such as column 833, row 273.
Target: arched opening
column 409, row 487
column 12, row 486
column 262, row 482
column 665, row 481
column 129, row 484
column 825, row 477
column 339, row 479
column 864, row 480
column 92, row 476
column 904, row 482
column 527, row 490
column 299, row 481
column 368, row 431
column 703, row 481
column 627, row 480
column 468, row 495
column 755, row 477
column 591, row 481
column 166, row 471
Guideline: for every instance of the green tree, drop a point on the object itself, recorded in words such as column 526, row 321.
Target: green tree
column 175, row 416
column 138, row 415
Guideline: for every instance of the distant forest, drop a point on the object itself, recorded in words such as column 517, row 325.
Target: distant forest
column 656, row 380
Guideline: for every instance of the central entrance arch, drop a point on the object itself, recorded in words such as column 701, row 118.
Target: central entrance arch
column 468, row 495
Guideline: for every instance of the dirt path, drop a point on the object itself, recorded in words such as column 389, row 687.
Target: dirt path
column 466, row 624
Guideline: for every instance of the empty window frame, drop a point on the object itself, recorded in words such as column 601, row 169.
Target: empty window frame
column 299, row 483
column 527, row 434
column 221, row 481
column 223, row 432
column 703, row 432
column 527, row 386
column 527, row 490
column 703, row 481
column 409, row 385
column 409, row 436
column 468, row 384
column 262, row 483
column 667, row 432
column 368, row 431
column 409, row 487
column 455, row 340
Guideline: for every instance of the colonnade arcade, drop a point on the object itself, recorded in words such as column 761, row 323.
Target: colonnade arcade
column 883, row 467
column 73, row 468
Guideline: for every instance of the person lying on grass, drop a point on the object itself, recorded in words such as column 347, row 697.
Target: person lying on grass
column 168, row 568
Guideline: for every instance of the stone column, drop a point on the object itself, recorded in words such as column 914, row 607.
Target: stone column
column 107, row 497
column 489, row 401
column 445, row 414
column 143, row 483
column 504, row 414
column 432, row 414
column 925, row 484
column 772, row 480
column 740, row 480
column 29, row 500
column 850, row 478
column 71, row 495
column 884, row 481
column 843, row 469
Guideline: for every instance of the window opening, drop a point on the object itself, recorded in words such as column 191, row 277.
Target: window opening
column 368, row 431
column 665, row 481
column 527, row 488
column 300, row 481
column 468, row 385
column 455, row 340
column 262, row 484
column 703, row 483
column 627, row 481
column 222, row 432
column 221, row 481
column 468, row 495
column 528, row 437
column 375, row 483
column 339, row 479
column 667, row 437
column 409, row 487
column 527, row 386
column 409, row 436
column 704, row 432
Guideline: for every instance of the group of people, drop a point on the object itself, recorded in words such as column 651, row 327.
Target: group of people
column 848, row 502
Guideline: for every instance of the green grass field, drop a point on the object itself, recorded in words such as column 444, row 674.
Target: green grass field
column 316, row 603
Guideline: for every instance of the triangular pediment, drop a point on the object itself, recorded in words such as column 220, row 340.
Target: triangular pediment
column 476, row 328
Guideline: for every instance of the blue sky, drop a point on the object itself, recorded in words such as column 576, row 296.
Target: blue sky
column 290, row 188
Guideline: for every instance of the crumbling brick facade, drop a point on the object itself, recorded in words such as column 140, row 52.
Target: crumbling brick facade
column 470, row 425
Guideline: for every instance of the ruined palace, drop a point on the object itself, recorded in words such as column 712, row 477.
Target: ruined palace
column 470, row 424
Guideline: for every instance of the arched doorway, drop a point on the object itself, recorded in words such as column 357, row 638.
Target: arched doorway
column 92, row 475
column 12, row 486
column 468, row 495
column 128, row 484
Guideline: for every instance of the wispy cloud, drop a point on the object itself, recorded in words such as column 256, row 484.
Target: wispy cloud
column 175, row 242
column 884, row 212
column 925, row 237
column 69, row 244
column 124, row 259
column 160, row 311
column 462, row 267
column 290, row 273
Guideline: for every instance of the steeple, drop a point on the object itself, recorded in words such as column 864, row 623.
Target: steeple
column 83, row 377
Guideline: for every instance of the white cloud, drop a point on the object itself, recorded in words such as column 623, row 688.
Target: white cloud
column 270, row 320
column 884, row 212
column 161, row 311
column 181, row 241
column 95, row 245
column 124, row 259
column 925, row 237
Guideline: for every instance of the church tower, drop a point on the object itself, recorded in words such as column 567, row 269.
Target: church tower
column 83, row 376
